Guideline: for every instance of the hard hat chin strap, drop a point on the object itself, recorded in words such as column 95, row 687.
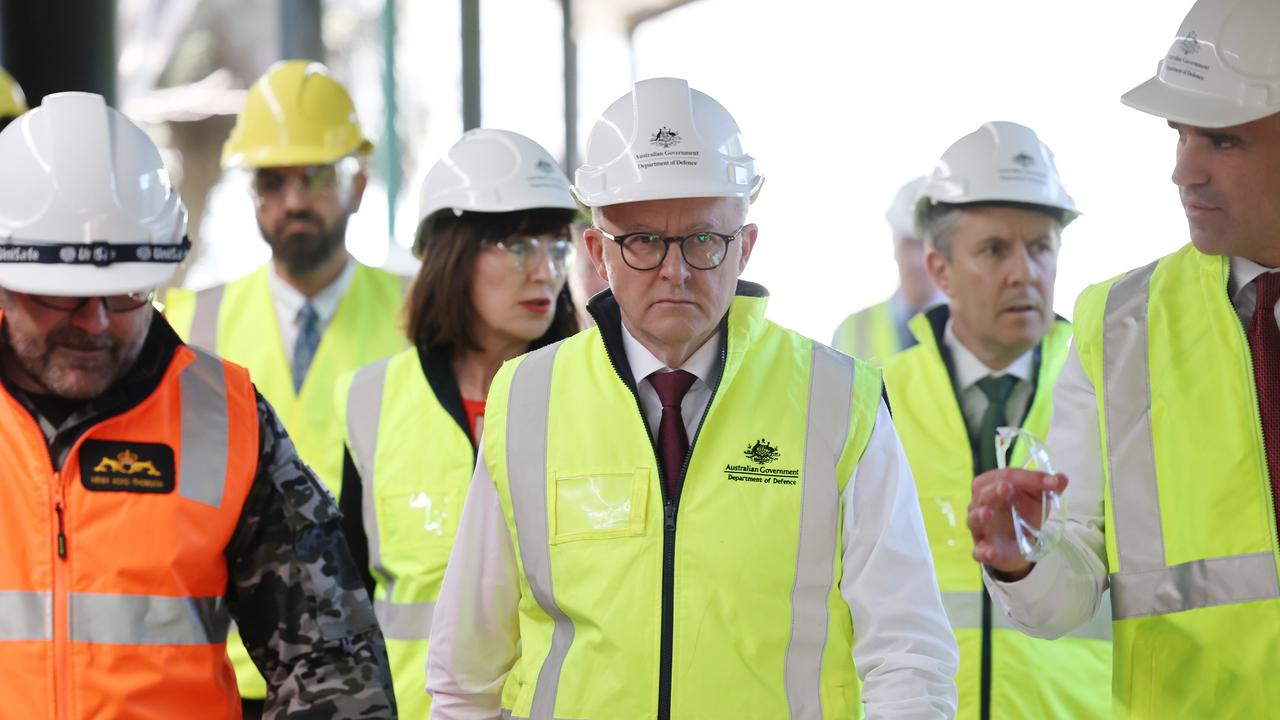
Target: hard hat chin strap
column 98, row 253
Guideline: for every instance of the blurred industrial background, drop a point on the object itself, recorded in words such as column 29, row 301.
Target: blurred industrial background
column 840, row 103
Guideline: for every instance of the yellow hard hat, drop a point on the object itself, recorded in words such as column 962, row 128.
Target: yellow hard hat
column 296, row 114
column 12, row 102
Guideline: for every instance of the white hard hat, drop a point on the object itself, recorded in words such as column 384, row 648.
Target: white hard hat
column 86, row 207
column 494, row 171
column 1223, row 68
column 661, row 141
column 998, row 162
column 902, row 211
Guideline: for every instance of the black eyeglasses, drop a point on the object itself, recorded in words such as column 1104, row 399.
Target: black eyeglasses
column 704, row 250
column 113, row 303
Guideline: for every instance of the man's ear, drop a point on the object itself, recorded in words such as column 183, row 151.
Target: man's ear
column 358, row 184
column 595, row 250
column 939, row 270
column 747, row 236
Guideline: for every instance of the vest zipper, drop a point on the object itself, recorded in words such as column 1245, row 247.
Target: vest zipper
column 1257, row 423
column 61, row 615
column 669, row 556
column 670, row 507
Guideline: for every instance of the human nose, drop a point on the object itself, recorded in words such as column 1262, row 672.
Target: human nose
column 92, row 316
column 674, row 269
column 1020, row 267
column 1188, row 166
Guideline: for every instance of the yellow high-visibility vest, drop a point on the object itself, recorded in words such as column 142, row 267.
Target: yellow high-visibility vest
column 1025, row 677
column 729, row 607
column 1190, row 526
column 415, row 463
column 869, row 334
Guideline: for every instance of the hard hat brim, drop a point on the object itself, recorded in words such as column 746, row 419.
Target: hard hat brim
column 672, row 190
column 291, row 157
column 1158, row 98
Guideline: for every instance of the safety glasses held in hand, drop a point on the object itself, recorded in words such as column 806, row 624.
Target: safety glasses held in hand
column 1034, row 540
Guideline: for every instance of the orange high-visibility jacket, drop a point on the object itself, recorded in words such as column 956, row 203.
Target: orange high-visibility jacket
column 112, row 572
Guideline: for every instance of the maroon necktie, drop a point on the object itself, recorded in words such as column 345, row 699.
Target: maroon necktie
column 673, row 442
column 1264, row 339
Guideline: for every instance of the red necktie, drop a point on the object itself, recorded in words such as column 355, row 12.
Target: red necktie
column 1264, row 339
column 673, row 442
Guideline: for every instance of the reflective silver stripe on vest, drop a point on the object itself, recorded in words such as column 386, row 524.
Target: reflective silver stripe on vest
column 527, row 409
column 204, row 323
column 1130, row 444
column 364, row 418
column 1145, row 586
column 25, row 616
column 964, row 612
column 830, row 405
column 399, row 621
column 203, row 389
column 1196, row 584
column 147, row 619
column 404, row 621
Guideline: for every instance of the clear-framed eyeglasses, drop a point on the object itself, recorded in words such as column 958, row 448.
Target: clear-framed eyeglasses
column 703, row 250
column 526, row 251
column 1034, row 541
column 271, row 184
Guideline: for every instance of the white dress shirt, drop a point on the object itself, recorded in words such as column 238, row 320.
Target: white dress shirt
column 288, row 303
column 969, row 370
column 904, row 647
column 1063, row 590
column 701, row 365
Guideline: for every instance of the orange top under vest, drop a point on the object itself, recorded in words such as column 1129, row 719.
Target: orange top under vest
column 112, row 572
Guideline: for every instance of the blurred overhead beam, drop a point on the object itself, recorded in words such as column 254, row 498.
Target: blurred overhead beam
column 470, row 64
column 51, row 46
column 570, row 89
column 618, row 17
column 301, row 37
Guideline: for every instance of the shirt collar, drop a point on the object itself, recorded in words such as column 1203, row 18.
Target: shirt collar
column 325, row 302
column 644, row 363
column 1244, row 272
column 969, row 369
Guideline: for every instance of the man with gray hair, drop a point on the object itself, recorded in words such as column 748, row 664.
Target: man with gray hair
column 686, row 511
column 991, row 216
column 879, row 332
column 1167, row 412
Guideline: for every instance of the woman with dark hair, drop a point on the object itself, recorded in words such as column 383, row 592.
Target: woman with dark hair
column 494, row 240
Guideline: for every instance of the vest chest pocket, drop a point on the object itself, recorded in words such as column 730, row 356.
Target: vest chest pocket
column 418, row 519
column 598, row 505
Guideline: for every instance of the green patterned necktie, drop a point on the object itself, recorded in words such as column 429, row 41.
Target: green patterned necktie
column 997, row 390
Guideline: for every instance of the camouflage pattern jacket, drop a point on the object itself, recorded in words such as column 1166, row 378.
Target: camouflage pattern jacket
column 293, row 588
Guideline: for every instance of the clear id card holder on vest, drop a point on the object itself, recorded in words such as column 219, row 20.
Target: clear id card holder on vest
column 1035, row 540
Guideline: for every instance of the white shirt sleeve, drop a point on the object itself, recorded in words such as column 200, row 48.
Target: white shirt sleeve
column 905, row 651
column 475, row 626
column 1063, row 590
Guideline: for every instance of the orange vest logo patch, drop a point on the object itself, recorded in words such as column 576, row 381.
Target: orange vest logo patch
column 107, row 465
